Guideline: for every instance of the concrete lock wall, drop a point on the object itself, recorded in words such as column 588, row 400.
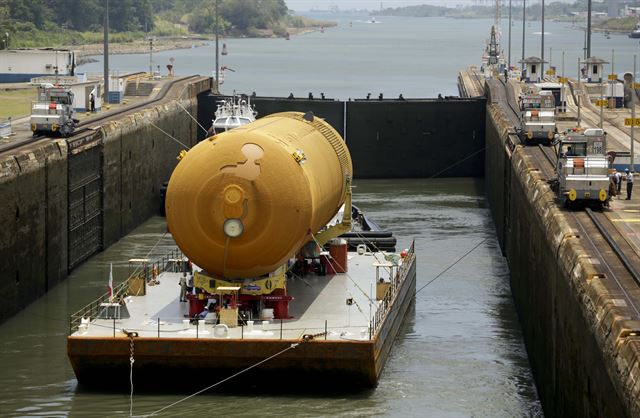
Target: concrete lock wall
column 583, row 360
column 58, row 196
column 415, row 138
column 34, row 224
column 138, row 159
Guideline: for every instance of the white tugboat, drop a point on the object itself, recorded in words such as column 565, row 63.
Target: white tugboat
column 232, row 113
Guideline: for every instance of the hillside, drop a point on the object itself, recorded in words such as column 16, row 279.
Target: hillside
column 52, row 23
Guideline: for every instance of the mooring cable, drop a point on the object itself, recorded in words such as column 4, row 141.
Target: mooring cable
column 451, row 266
column 191, row 116
column 458, row 162
column 167, row 134
column 294, row 345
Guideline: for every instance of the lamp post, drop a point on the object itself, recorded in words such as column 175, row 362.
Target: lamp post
column 588, row 28
column 509, row 36
column 151, row 56
column 563, row 95
column 217, row 84
column 524, row 20
column 633, row 113
column 542, row 44
column 611, row 82
column 578, row 92
column 601, row 101
column 106, row 50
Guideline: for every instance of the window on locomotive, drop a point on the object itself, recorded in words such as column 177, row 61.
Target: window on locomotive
column 579, row 149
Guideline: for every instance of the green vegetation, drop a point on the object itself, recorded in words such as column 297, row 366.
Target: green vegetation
column 625, row 24
column 16, row 102
column 41, row 23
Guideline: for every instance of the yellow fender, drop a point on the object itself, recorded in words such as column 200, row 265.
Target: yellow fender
column 602, row 195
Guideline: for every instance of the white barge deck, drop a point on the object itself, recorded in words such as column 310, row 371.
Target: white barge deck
column 317, row 299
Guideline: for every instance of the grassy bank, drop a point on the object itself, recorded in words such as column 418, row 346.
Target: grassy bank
column 624, row 24
column 28, row 36
column 16, row 102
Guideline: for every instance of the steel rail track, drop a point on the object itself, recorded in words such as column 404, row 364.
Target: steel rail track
column 631, row 266
column 479, row 81
column 545, row 152
column 614, row 267
column 510, row 99
column 85, row 125
column 500, row 92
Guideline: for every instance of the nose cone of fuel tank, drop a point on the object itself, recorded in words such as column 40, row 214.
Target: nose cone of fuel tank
column 241, row 203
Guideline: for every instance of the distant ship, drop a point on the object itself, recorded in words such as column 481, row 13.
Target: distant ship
column 493, row 57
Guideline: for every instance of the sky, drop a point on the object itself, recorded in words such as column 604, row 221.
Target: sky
column 302, row 5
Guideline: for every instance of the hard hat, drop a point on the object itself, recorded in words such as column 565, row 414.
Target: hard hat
column 626, row 170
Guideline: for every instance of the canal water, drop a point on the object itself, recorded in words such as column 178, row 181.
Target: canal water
column 415, row 57
column 459, row 354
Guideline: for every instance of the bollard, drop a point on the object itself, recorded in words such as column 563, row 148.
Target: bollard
column 114, row 327
column 280, row 328
column 325, row 329
column 158, row 327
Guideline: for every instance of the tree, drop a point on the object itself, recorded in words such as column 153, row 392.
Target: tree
column 34, row 11
column 273, row 11
column 81, row 15
column 242, row 14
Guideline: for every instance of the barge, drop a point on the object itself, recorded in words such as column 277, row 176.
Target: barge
column 274, row 298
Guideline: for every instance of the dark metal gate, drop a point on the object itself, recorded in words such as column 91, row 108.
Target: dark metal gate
column 85, row 203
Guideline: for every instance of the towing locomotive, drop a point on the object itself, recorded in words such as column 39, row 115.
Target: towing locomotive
column 583, row 167
column 53, row 112
column 537, row 117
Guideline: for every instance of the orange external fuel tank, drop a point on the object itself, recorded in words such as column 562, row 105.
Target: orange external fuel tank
column 240, row 203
